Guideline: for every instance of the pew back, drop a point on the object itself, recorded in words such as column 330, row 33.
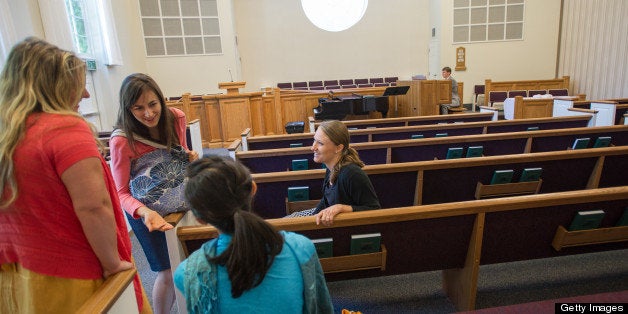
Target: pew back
column 457, row 237
column 380, row 152
column 393, row 133
column 440, row 181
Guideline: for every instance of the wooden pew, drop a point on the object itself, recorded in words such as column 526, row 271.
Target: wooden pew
column 506, row 86
column 381, row 152
column 406, row 121
column 397, row 133
column 115, row 295
column 458, row 237
column 452, row 180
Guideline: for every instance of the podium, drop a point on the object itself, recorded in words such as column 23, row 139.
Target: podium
column 232, row 87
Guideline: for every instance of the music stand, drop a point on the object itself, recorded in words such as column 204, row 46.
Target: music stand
column 396, row 91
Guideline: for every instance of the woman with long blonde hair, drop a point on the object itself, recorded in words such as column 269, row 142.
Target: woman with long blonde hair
column 62, row 231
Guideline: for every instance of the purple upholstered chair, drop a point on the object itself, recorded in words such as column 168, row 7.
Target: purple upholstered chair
column 311, row 84
column 284, row 85
column 361, row 81
column 330, row 83
column 533, row 92
column 497, row 96
column 374, row 80
column 299, row 85
column 558, row 92
column 346, row 82
column 514, row 93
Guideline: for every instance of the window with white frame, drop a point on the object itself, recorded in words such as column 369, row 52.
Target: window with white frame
column 487, row 20
column 78, row 24
column 180, row 27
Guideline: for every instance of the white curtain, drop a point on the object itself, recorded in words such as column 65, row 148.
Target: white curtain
column 8, row 37
column 110, row 35
column 56, row 23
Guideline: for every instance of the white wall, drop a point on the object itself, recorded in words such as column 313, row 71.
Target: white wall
column 278, row 43
column 194, row 74
column 532, row 58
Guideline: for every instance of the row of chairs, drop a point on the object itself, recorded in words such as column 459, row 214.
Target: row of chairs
column 500, row 96
column 337, row 84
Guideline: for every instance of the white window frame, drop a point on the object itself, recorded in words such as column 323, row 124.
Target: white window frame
column 165, row 39
column 460, row 27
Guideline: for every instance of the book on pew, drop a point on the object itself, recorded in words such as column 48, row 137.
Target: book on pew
column 415, row 136
column 352, row 129
column 502, row 176
column 299, row 164
column 533, row 128
column 324, row 247
column 623, row 220
column 602, row 141
column 440, row 135
column 454, row 152
column 292, row 145
column 365, row 243
column 586, row 220
column 475, row 151
column 580, row 143
column 298, row 193
column 530, row 174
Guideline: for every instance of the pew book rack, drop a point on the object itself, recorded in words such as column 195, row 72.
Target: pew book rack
column 564, row 238
column 355, row 262
column 508, row 189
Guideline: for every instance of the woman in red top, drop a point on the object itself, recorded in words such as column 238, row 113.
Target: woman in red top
column 62, row 231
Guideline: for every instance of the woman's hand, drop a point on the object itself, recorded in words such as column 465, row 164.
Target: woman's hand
column 192, row 155
column 122, row 266
column 153, row 219
column 326, row 216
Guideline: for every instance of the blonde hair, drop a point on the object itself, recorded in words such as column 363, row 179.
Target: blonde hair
column 37, row 77
column 338, row 133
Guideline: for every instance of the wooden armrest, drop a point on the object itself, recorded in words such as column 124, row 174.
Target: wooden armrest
column 235, row 145
column 193, row 121
column 246, row 132
column 591, row 111
column 174, row 218
column 108, row 293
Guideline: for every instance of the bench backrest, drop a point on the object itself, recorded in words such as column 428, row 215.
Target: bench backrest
column 441, row 181
column 443, row 236
column 430, row 148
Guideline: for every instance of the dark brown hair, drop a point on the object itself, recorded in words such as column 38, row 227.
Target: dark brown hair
column 131, row 90
column 220, row 193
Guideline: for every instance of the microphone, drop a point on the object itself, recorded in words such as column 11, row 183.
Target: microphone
column 230, row 75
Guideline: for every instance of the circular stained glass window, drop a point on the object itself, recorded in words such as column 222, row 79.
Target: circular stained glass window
column 334, row 15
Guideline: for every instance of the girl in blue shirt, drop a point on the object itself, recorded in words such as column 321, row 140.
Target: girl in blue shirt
column 250, row 267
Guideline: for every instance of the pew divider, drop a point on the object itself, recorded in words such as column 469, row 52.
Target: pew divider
column 461, row 284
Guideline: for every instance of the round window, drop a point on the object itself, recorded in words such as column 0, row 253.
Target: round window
column 334, row 15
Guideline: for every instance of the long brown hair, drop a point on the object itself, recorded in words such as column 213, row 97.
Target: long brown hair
column 220, row 193
column 338, row 133
column 132, row 88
